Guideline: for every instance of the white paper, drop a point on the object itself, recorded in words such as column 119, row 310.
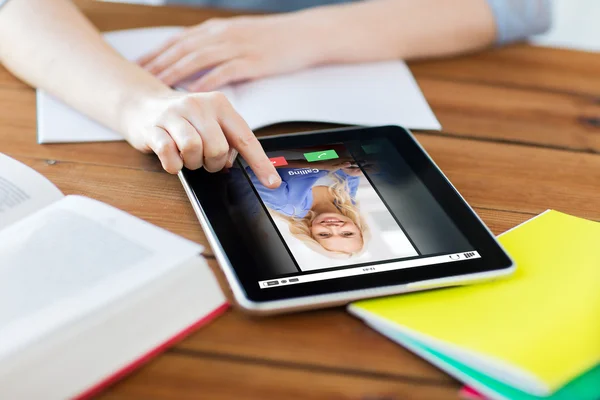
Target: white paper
column 363, row 94
column 74, row 257
column 22, row 191
column 370, row 94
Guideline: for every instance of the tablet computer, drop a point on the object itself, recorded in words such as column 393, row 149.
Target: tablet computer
column 361, row 212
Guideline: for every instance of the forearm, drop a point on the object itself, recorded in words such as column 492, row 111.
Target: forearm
column 375, row 30
column 50, row 45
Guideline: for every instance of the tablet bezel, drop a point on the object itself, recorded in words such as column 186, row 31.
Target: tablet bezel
column 494, row 260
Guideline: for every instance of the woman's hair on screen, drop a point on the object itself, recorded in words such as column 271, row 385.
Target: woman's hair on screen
column 300, row 228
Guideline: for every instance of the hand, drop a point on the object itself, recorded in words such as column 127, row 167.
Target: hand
column 352, row 171
column 335, row 163
column 195, row 130
column 329, row 165
column 237, row 49
column 355, row 170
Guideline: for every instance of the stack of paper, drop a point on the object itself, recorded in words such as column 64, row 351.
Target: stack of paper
column 534, row 335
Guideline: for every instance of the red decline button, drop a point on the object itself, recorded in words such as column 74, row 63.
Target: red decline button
column 278, row 161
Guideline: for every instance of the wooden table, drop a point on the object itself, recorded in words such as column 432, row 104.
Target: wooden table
column 521, row 135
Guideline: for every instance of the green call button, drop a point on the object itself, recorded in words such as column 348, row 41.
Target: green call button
column 320, row 155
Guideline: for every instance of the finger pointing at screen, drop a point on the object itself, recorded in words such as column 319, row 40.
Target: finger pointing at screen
column 200, row 130
column 242, row 139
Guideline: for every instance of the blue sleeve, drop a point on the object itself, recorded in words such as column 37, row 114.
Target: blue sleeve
column 273, row 198
column 353, row 182
column 519, row 19
column 294, row 196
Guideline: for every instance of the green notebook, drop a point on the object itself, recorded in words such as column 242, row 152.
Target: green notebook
column 584, row 387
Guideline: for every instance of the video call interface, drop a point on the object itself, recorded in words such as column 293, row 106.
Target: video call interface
column 348, row 209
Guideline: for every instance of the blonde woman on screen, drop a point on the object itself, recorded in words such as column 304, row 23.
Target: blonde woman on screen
column 318, row 202
column 334, row 226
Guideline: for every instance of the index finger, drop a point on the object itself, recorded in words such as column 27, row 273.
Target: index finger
column 241, row 138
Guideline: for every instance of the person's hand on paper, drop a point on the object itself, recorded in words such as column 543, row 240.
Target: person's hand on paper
column 250, row 47
column 195, row 131
column 237, row 49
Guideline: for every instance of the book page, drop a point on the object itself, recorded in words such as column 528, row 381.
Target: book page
column 371, row 94
column 22, row 191
column 80, row 249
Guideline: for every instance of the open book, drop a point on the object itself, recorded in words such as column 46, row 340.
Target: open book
column 370, row 94
column 87, row 292
column 531, row 337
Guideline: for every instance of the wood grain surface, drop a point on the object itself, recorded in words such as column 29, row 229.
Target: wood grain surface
column 521, row 135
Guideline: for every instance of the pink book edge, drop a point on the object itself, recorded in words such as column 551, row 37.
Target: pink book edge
column 145, row 358
column 467, row 392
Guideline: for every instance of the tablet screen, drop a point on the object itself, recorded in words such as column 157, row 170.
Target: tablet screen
column 336, row 210
column 356, row 209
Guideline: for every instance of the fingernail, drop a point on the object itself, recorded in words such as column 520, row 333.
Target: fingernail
column 233, row 153
column 273, row 179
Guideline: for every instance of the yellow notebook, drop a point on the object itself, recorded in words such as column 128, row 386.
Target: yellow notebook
column 534, row 331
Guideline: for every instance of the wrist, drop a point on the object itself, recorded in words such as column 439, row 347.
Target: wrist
column 137, row 107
